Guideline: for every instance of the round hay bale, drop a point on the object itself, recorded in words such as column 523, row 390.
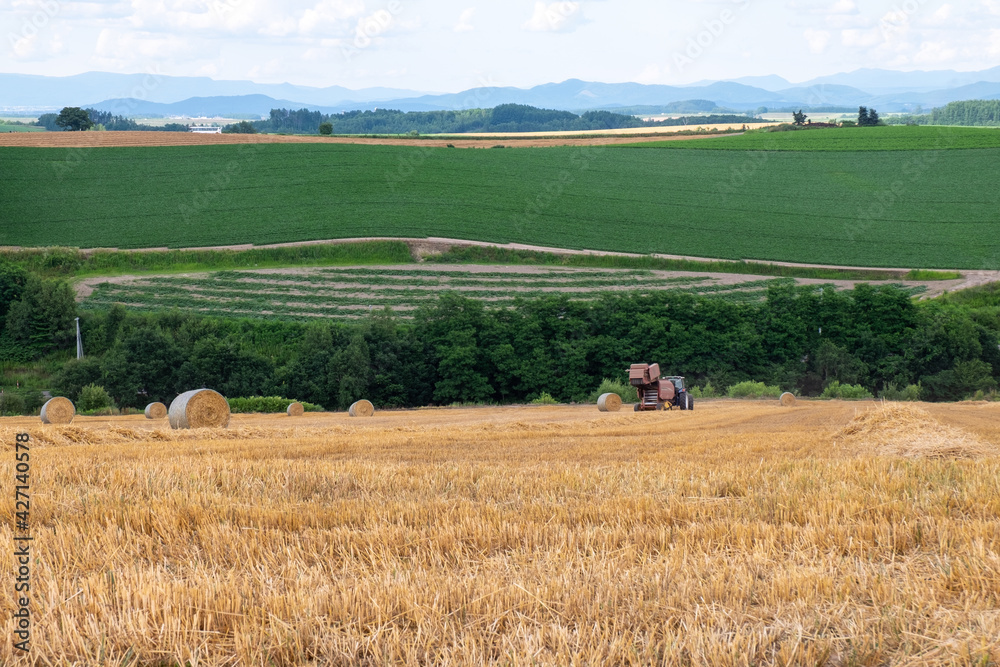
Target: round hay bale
column 295, row 410
column 609, row 403
column 788, row 399
column 362, row 408
column 58, row 410
column 199, row 408
column 156, row 411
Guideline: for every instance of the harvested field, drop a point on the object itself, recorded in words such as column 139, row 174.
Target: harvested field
column 740, row 533
column 304, row 293
column 525, row 140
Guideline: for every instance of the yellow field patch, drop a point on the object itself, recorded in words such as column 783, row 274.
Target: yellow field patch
column 740, row 533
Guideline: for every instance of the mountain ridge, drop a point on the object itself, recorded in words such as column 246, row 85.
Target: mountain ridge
column 134, row 94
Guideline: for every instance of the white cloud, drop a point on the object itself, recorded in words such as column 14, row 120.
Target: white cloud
column 330, row 15
column 859, row 38
column 817, row 39
column 651, row 74
column 943, row 15
column 934, row 53
column 124, row 49
column 553, row 17
column 465, row 21
column 844, row 7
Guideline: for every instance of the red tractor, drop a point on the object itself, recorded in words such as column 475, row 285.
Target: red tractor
column 655, row 392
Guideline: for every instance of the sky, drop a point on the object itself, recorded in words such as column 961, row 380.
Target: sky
column 454, row 45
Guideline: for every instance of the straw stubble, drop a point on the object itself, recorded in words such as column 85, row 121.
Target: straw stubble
column 503, row 536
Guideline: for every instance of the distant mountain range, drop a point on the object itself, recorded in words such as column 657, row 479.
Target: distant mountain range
column 148, row 94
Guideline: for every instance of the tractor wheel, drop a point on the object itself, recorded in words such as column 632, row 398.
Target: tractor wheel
column 682, row 402
column 690, row 401
column 635, row 408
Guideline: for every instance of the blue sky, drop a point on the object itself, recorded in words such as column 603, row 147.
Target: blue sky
column 452, row 45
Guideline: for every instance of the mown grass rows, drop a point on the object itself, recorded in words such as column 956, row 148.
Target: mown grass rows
column 346, row 293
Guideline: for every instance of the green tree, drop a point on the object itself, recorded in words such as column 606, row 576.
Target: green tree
column 75, row 375
column 326, row 128
column 12, row 281
column 93, row 397
column 242, row 127
column 799, row 118
column 867, row 117
column 460, row 378
column 351, row 370
column 74, row 119
column 42, row 320
column 141, row 368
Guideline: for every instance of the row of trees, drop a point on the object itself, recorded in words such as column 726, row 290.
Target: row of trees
column 504, row 118
column 970, row 113
column 76, row 119
column 459, row 350
column 868, row 117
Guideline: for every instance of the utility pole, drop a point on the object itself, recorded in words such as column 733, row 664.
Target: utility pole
column 79, row 341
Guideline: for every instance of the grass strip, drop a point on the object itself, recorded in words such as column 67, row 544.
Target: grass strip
column 73, row 262
column 507, row 256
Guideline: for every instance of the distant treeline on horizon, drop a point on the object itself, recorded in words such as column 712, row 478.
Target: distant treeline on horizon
column 504, row 118
column 970, row 113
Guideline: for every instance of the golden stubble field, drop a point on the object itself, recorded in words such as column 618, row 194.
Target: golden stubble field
column 741, row 533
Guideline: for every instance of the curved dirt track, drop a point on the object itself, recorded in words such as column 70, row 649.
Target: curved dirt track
column 120, row 139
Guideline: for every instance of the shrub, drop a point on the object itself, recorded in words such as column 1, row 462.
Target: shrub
column 11, row 404
column 751, row 389
column 93, row 397
column 267, row 404
column 626, row 392
column 846, row 392
column 326, row 128
column 545, row 399
column 894, row 393
column 708, row 391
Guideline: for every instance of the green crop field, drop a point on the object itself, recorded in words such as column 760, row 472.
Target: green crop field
column 896, row 208
column 351, row 292
column 19, row 128
column 889, row 138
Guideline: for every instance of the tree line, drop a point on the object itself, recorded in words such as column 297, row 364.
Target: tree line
column 970, row 113
column 459, row 350
column 77, row 119
column 503, row 118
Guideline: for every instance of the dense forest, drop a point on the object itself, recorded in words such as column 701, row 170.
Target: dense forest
column 504, row 118
column 459, row 350
column 972, row 113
